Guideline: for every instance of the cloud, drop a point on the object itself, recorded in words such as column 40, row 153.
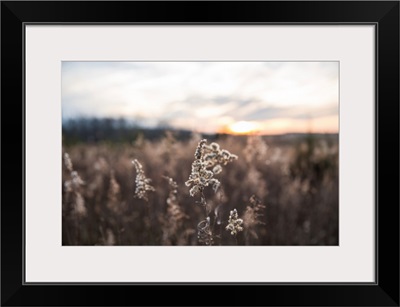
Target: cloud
column 197, row 93
column 299, row 112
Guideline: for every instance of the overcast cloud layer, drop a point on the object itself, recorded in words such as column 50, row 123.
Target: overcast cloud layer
column 279, row 97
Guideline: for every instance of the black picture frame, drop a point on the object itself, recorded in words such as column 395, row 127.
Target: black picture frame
column 383, row 14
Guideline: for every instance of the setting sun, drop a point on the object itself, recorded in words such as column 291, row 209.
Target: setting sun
column 242, row 127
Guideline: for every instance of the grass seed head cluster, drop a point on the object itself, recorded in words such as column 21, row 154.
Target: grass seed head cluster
column 143, row 184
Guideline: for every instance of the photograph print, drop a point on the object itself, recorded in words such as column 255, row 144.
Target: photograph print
column 200, row 153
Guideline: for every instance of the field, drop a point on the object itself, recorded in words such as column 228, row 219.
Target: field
column 284, row 189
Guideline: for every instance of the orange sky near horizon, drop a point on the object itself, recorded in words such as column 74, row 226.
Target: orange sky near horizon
column 327, row 124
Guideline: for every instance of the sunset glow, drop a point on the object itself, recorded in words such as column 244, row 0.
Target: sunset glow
column 242, row 127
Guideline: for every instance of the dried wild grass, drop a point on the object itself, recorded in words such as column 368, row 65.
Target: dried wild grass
column 295, row 183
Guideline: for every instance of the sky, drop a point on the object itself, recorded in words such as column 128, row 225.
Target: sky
column 209, row 97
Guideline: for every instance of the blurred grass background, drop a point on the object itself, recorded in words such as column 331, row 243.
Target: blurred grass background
column 294, row 176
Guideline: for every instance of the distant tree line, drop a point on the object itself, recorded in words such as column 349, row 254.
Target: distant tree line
column 119, row 130
column 95, row 130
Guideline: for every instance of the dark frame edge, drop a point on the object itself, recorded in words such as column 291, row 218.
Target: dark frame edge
column 387, row 292
column 12, row 286
column 388, row 91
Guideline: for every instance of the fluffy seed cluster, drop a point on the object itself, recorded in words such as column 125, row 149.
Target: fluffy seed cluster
column 143, row 184
column 76, row 181
column 207, row 163
column 256, row 149
column 68, row 162
column 79, row 208
column 73, row 186
column 234, row 223
column 114, row 188
column 113, row 195
column 253, row 212
column 252, row 215
column 252, row 218
column 200, row 178
column 173, row 231
column 199, row 149
column 215, row 157
column 174, row 210
column 204, row 233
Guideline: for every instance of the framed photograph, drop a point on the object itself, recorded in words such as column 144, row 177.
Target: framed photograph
column 250, row 145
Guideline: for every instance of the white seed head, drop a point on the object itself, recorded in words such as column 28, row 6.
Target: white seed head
column 209, row 161
column 234, row 223
column 143, row 184
column 68, row 162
